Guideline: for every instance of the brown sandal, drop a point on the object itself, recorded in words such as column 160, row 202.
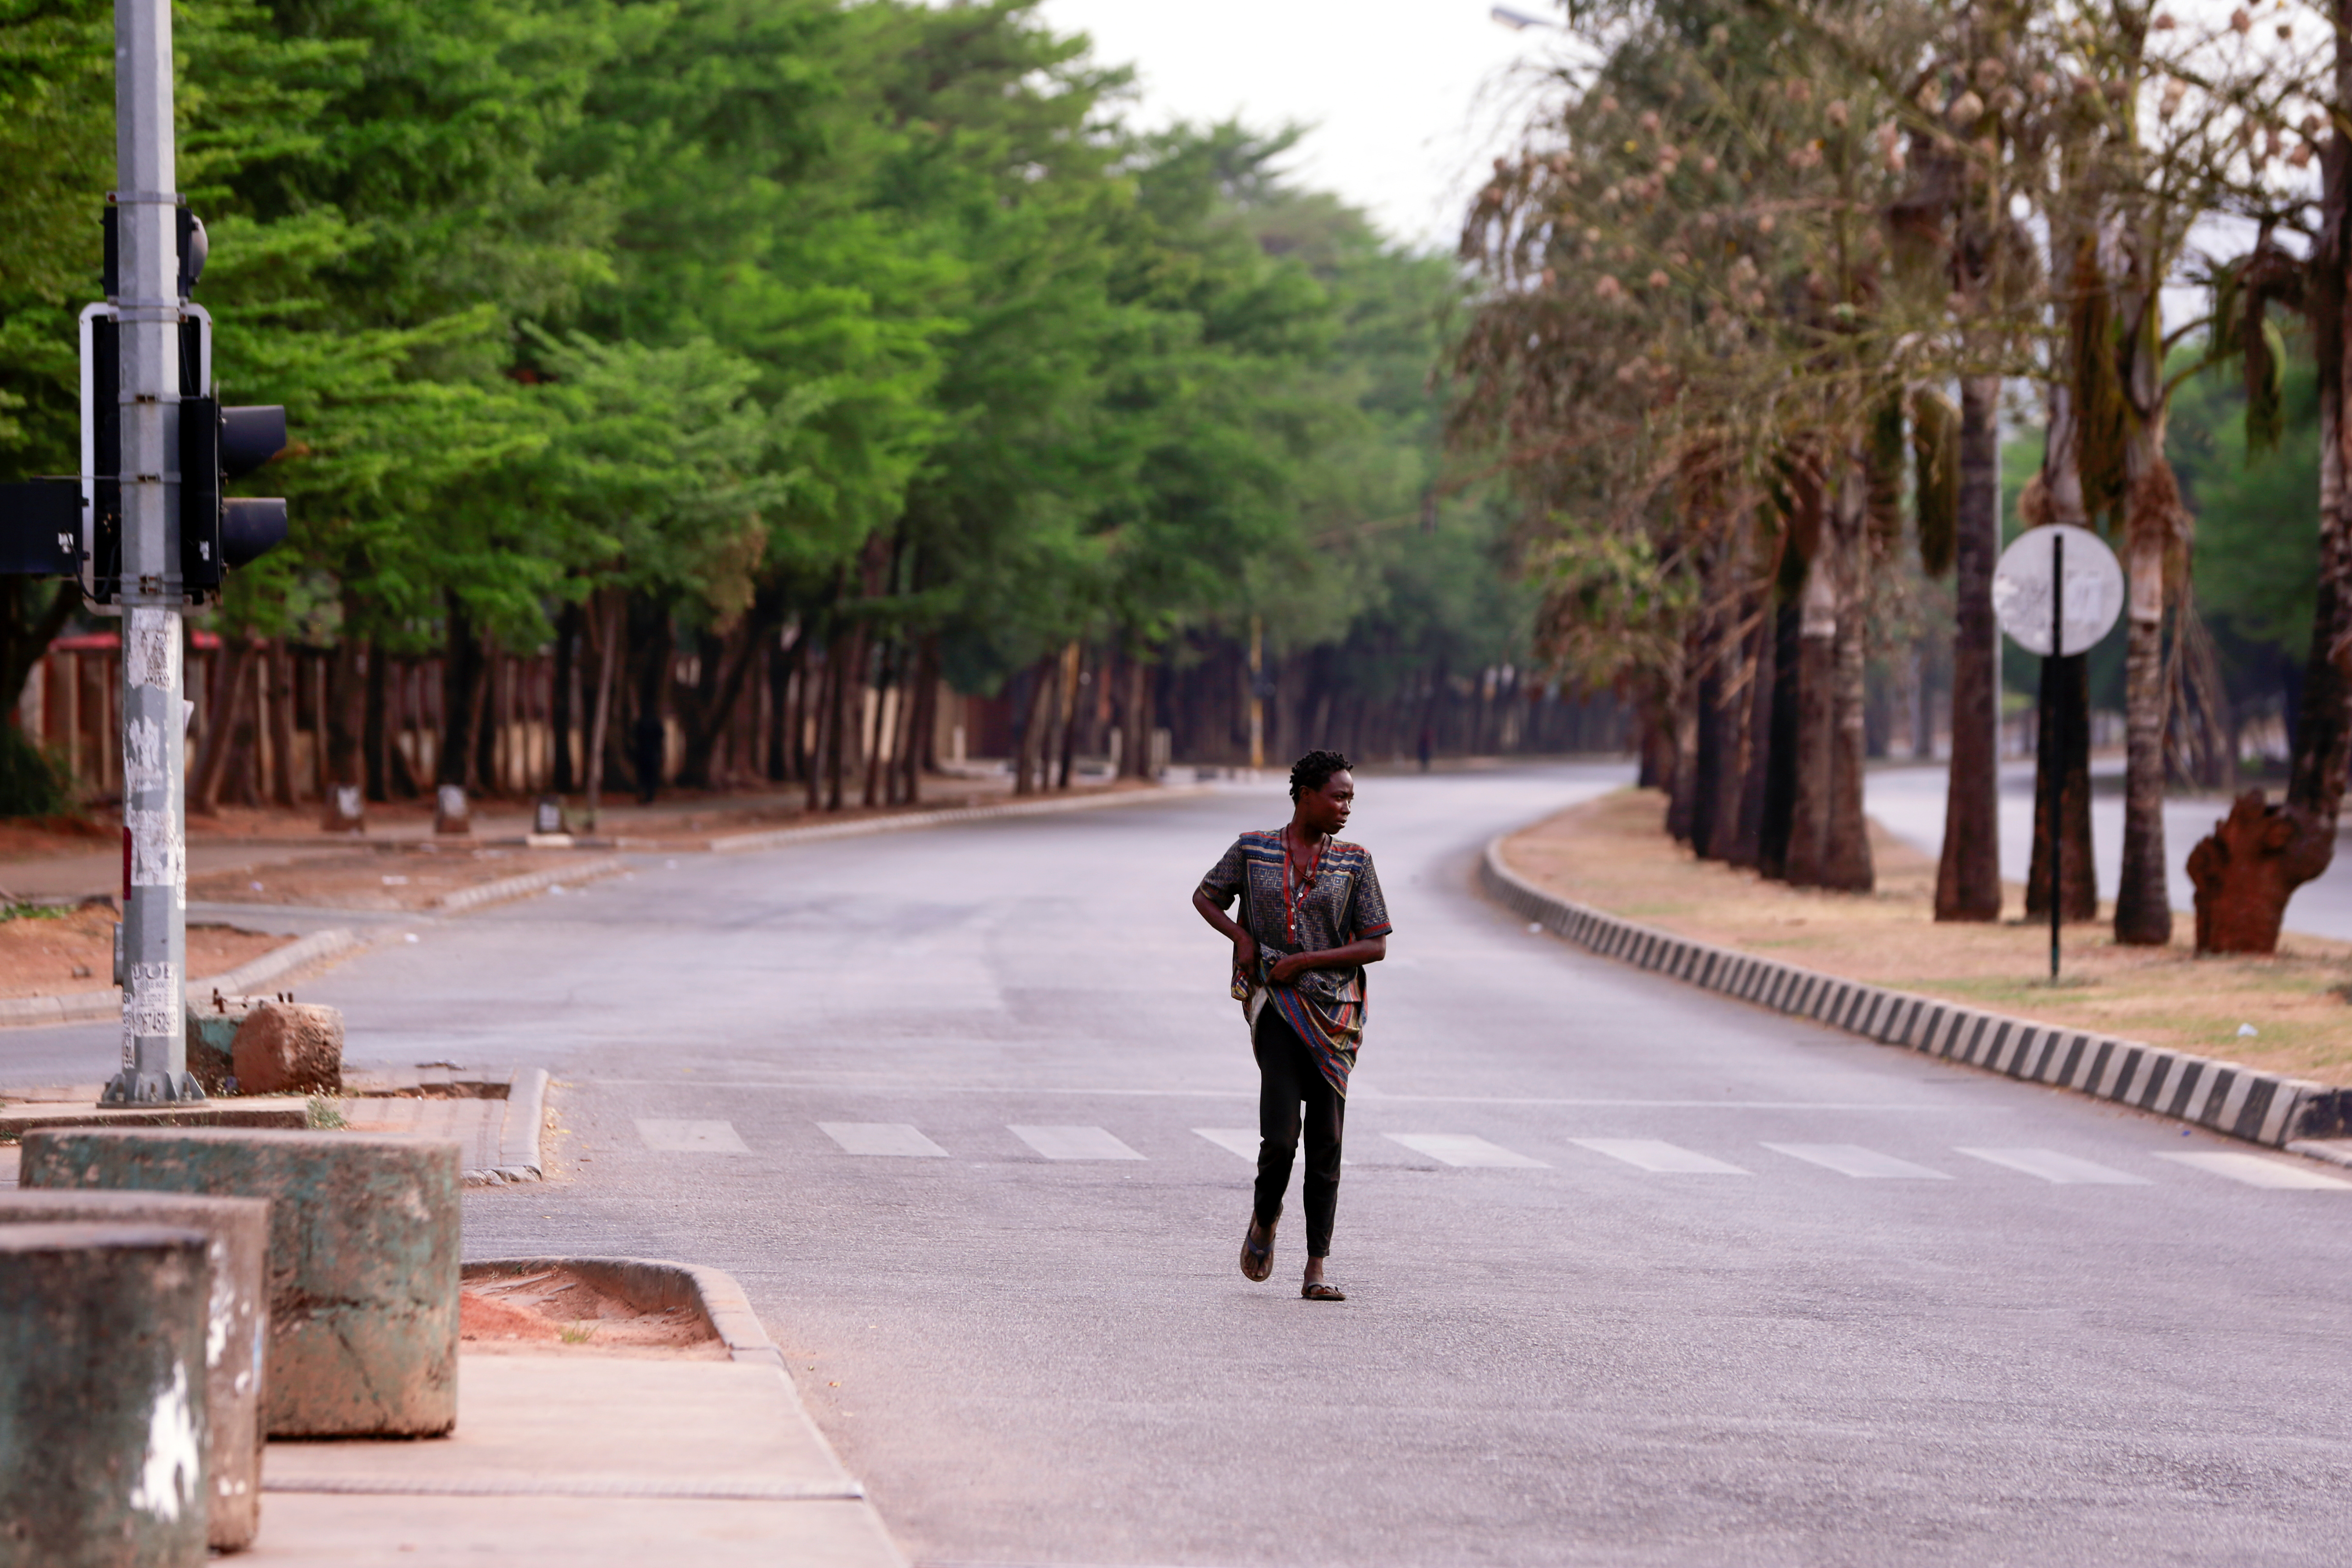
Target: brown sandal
column 1257, row 1251
column 1321, row 1290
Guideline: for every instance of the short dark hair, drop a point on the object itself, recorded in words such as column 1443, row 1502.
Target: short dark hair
column 1313, row 770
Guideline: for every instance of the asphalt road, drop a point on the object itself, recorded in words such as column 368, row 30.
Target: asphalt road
column 1637, row 1275
column 1909, row 802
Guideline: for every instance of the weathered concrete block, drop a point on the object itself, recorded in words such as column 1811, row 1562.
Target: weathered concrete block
column 102, row 1412
column 212, row 1037
column 364, row 1253
column 236, row 1236
column 211, row 1061
column 290, row 1048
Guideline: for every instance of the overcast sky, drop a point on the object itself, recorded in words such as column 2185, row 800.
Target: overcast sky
column 1408, row 99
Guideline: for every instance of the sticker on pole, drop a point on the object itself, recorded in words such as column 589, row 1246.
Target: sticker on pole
column 2020, row 588
column 150, row 1003
column 154, row 651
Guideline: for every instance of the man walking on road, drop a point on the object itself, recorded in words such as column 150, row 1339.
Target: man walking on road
column 1311, row 918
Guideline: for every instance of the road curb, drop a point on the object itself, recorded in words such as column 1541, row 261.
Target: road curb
column 519, row 1134
column 658, row 1284
column 530, row 882
column 88, row 1006
column 739, row 843
column 2221, row 1096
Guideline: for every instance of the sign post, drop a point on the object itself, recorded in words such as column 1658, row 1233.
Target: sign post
column 2057, row 591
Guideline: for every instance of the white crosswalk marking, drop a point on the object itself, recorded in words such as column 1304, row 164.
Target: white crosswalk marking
column 1650, row 1154
column 893, row 1139
column 691, row 1137
column 2064, row 1170
column 1074, row 1143
column 1853, row 1160
column 2257, row 1171
column 1242, row 1141
column 1461, row 1149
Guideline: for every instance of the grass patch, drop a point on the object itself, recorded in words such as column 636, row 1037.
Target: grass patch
column 577, row 1333
column 322, row 1114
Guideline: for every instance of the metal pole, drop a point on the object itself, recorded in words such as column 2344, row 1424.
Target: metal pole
column 2053, row 741
column 155, row 912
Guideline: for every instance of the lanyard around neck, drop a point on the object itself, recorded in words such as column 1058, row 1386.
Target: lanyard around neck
column 1289, row 894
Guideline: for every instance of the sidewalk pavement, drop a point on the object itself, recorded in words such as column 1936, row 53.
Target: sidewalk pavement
column 585, row 1461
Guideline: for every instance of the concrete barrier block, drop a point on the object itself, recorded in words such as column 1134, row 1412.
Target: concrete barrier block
column 290, row 1048
column 102, row 1412
column 363, row 1255
column 237, row 1256
column 212, row 1039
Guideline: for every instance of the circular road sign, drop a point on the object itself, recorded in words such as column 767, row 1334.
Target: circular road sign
column 2020, row 588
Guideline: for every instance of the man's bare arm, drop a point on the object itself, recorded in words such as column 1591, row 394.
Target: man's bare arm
column 1362, row 951
column 1244, row 945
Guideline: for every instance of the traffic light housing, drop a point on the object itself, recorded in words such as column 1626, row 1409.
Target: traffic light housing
column 216, row 532
column 40, row 528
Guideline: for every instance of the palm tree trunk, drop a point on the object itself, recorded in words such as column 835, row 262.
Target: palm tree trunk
column 2251, row 867
column 1776, row 808
column 1968, row 879
column 1747, row 845
column 2323, row 731
column 1715, row 829
column 2065, row 745
column 1817, row 718
column 2143, row 903
column 1682, row 786
column 1846, row 852
column 2065, row 740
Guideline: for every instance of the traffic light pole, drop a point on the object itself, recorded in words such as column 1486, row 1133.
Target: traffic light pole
column 153, row 962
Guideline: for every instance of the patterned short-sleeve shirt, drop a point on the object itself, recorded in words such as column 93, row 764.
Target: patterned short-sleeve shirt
column 1340, row 904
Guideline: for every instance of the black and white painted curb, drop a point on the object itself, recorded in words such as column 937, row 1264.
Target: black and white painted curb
column 2224, row 1096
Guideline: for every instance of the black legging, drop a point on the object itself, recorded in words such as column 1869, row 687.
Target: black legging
column 1289, row 1078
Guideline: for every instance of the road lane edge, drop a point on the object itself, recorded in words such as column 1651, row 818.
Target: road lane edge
column 776, row 838
column 510, row 887
column 2222, row 1097
column 88, row 1006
